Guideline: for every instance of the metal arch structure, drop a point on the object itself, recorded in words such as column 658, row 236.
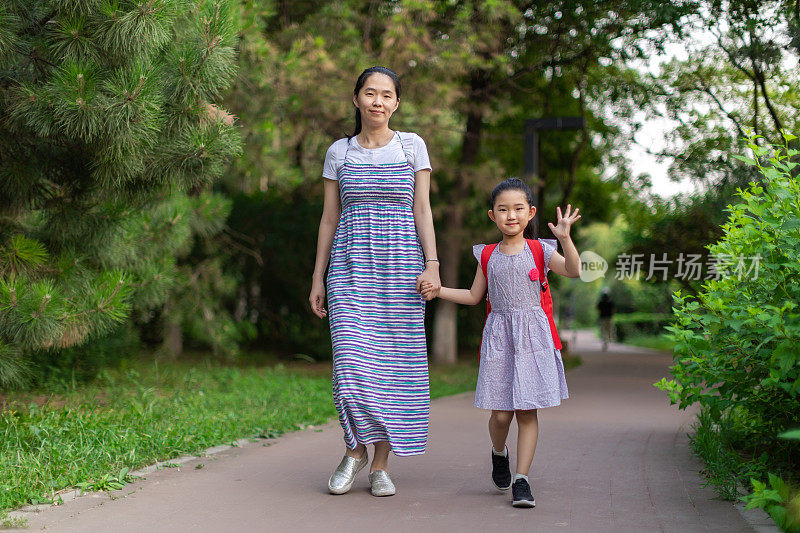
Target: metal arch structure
column 534, row 126
column 531, row 152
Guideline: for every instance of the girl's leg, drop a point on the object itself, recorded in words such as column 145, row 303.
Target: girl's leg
column 528, row 435
column 380, row 460
column 357, row 452
column 499, row 423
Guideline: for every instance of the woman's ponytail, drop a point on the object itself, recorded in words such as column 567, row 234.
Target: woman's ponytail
column 358, row 123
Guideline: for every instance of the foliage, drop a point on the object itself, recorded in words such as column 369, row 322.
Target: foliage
column 737, row 74
column 682, row 227
column 472, row 71
column 107, row 482
column 631, row 324
column 736, row 343
column 272, row 284
column 94, row 435
column 108, row 142
column 77, row 364
column 8, row 522
column 631, row 294
column 718, row 444
column 778, row 500
column 653, row 342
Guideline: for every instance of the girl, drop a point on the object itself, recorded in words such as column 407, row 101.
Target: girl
column 376, row 225
column 520, row 369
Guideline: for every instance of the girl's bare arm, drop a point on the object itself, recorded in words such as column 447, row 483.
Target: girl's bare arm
column 466, row 296
column 569, row 264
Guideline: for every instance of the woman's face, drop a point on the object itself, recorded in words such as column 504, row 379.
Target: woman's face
column 376, row 100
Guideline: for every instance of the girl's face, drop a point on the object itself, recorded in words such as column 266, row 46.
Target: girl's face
column 376, row 100
column 511, row 212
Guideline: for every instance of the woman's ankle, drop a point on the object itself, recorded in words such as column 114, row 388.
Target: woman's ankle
column 357, row 452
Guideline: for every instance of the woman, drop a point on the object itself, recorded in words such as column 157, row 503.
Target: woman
column 376, row 225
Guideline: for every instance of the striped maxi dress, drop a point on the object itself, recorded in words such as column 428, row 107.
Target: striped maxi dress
column 380, row 367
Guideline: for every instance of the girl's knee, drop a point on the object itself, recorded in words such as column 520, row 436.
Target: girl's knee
column 502, row 417
column 526, row 416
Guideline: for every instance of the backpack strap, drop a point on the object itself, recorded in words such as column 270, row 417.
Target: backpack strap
column 538, row 258
column 408, row 147
column 546, row 297
column 486, row 253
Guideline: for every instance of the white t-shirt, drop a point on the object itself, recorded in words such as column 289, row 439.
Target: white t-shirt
column 389, row 154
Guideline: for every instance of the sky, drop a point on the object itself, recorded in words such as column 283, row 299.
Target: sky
column 642, row 162
column 652, row 132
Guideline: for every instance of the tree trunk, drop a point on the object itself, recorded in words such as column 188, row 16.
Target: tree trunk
column 445, row 324
column 755, row 107
column 445, row 339
column 173, row 335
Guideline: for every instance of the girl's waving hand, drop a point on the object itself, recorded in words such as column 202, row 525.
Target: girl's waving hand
column 569, row 264
column 565, row 222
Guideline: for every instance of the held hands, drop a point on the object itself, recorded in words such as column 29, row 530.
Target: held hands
column 429, row 291
column 561, row 229
column 429, row 278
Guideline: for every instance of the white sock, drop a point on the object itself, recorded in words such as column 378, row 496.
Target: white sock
column 504, row 453
column 520, row 476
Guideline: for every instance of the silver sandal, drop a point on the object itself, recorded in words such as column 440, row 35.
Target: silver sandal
column 342, row 478
column 381, row 484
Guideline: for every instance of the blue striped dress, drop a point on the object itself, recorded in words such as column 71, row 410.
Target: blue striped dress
column 380, row 365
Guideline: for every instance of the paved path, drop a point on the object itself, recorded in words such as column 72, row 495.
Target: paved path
column 613, row 457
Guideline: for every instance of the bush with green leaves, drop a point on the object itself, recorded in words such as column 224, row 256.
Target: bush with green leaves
column 776, row 497
column 632, row 324
column 778, row 500
column 109, row 143
column 737, row 350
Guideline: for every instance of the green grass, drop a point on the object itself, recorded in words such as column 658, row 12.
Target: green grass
column 91, row 436
column 7, row 522
column 447, row 380
column 655, row 342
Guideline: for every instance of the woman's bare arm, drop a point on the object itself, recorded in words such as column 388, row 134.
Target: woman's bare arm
column 423, row 219
column 331, row 211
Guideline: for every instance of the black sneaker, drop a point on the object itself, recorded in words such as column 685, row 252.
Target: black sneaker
column 501, row 473
column 522, row 496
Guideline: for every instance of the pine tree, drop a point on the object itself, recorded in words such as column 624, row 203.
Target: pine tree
column 109, row 141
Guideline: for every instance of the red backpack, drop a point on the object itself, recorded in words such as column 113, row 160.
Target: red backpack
column 547, row 300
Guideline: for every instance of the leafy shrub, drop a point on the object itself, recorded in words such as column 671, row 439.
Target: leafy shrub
column 717, row 444
column 54, row 369
column 779, row 501
column 275, row 280
column 633, row 324
column 736, row 350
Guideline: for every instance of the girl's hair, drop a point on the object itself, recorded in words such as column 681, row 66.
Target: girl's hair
column 516, row 184
column 362, row 79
